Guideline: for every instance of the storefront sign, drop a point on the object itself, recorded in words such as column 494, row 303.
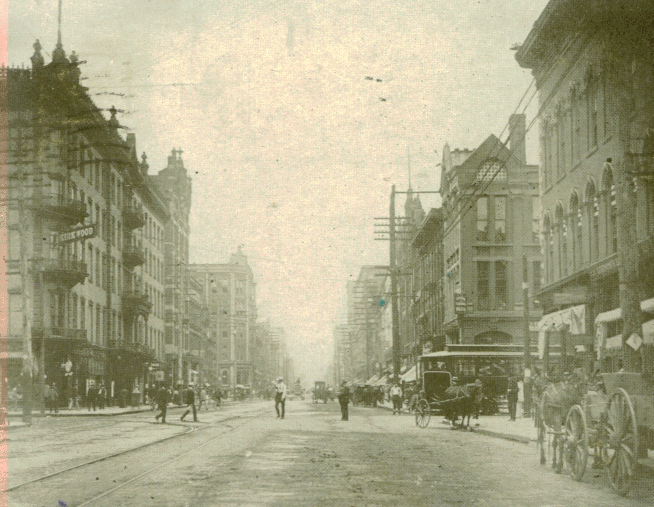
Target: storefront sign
column 78, row 234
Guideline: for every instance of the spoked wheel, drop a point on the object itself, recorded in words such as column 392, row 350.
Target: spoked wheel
column 423, row 414
column 576, row 442
column 622, row 441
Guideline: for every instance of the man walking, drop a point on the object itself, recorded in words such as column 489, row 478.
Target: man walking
column 190, row 401
column 280, row 397
column 512, row 397
column 344, row 399
column 163, row 397
column 396, row 396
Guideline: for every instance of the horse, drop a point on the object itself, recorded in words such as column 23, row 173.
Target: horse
column 462, row 401
column 553, row 406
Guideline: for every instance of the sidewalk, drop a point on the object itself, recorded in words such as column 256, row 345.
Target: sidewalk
column 521, row 430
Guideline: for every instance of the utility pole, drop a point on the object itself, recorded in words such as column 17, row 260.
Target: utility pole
column 393, row 271
column 527, row 341
column 26, row 290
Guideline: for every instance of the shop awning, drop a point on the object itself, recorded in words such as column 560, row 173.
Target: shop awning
column 610, row 316
column 574, row 318
column 382, row 381
column 647, row 305
column 409, row 376
column 648, row 332
column 371, row 381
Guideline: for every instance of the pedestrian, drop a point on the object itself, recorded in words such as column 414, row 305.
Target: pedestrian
column 396, row 397
column 190, row 401
column 92, row 397
column 203, row 399
column 162, row 399
column 46, row 397
column 512, row 397
column 218, row 395
column 102, row 396
column 54, row 395
column 344, row 399
column 280, row 397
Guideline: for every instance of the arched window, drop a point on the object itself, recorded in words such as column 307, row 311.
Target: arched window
column 592, row 205
column 562, row 233
column 548, row 248
column 576, row 230
column 610, row 210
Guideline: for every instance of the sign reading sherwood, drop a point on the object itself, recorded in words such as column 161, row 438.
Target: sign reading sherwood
column 78, row 234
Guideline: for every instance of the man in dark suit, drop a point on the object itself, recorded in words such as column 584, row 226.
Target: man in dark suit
column 163, row 397
column 343, row 400
column 190, row 399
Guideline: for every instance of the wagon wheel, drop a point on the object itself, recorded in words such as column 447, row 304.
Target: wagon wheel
column 622, row 441
column 576, row 442
column 423, row 414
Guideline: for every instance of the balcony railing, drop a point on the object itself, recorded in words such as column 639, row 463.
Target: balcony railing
column 132, row 347
column 60, row 333
column 136, row 302
column 65, row 272
column 60, row 208
column 133, row 217
column 133, row 255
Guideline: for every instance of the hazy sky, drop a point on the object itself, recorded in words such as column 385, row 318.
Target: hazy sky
column 291, row 149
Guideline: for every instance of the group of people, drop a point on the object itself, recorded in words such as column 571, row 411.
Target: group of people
column 194, row 399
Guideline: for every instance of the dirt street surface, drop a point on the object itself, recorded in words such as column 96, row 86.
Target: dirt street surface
column 243, row 455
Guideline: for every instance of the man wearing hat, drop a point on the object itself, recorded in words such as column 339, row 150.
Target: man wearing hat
column 189, row 396
column 344, row 399
column 280, row 397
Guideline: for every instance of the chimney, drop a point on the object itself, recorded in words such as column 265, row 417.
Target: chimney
column 517, row 134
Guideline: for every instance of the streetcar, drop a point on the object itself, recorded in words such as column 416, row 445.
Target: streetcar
column 492, row 364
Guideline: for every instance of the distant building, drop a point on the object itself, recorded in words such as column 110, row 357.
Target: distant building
column 174, row 184
column 230, row 297
column 491, row 211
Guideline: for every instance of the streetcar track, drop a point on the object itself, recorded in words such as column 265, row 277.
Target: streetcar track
column 246, row 419
column 191, row 430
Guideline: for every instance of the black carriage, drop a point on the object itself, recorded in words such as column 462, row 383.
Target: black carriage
column 321, row 392
column 432, row 396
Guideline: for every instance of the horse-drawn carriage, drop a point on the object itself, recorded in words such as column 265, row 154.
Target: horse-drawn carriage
column 439, row 396
column 322, row 392
column 618, row 426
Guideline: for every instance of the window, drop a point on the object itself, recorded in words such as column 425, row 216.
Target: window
column 562, row 238
column 501, row 286
column 535, row 220
column 482, row 219
column 592, row 109
column 576, row 232
column 91, row 322
column 492, row 170
column 500, row 219
column 483, row 285
column 536, row 273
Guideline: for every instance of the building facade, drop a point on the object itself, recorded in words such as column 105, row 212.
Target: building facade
column 490, row 210
column 174, row 185
column 592, row 62
column 84, row 240
column 231, row 299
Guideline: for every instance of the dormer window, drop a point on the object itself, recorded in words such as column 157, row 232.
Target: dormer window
column 491, row 170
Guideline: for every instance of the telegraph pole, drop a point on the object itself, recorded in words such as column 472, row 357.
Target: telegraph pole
column 26, row 292
column 393, row 271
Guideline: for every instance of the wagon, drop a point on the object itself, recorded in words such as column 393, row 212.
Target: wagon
column 434, row 385
column 321, row 392
column 625, row 432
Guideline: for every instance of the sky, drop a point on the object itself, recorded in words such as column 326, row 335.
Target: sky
column 292, row 148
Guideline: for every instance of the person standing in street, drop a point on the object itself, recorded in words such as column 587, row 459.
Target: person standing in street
column 203, row 399
column 53, row 399
column 163, row 397
column 344, row 400
column 92, row 397
column 190, row 400
column 512, row 397
column 280, row 398
column 396, row 397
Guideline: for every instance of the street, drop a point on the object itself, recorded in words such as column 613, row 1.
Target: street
column 243, row 455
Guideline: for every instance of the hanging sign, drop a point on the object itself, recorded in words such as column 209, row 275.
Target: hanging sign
column 78, row 234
